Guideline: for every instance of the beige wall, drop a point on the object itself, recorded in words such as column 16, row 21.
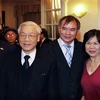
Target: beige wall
column 0, row 11
column 90, row 20
column 8, row 7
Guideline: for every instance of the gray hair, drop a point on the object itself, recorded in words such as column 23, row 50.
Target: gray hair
column 38, row 29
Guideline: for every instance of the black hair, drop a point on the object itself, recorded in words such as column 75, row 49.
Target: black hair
column 10, row 29
column 68, row 19
column 45, row 32
column 89, row 34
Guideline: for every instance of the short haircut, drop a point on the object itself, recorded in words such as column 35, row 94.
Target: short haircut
column 68, row 19
column 88, row 35
column 27, row 23
column 45, row 32
column 10, row 29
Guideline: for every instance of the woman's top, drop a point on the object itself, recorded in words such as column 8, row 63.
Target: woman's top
column 91, row 84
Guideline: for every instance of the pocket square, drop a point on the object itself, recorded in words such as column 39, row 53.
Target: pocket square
column 43, row 74
column 1, row 48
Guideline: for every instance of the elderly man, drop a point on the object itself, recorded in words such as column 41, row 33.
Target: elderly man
column 26, row 74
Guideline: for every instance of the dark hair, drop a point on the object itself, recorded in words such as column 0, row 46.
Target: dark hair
column 45, row 32
column 10, row 29
column 68, row 19
column 91, row 33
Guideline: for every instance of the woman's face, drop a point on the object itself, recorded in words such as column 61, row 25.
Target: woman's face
column 92, row 47
column 10, row 36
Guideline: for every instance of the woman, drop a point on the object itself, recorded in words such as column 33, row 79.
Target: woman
column 11, row 36
column 91, row 75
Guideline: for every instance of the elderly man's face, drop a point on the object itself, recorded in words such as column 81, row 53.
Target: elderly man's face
column 28, row 38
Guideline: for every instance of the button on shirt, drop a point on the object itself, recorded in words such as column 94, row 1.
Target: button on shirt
column 61, row 44
column 31, row 59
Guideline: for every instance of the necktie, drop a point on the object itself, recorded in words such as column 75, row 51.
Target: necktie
column 26, row 63
column 68, row 55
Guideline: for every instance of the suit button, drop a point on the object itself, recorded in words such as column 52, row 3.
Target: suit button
column 72, row 84
column 72, row 96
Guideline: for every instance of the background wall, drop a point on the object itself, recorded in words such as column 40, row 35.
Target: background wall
column 90, row 20
column 0, row 11
column 9, row 8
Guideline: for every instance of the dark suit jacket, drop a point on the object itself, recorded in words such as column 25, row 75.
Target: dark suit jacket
column 42, row 84
column 5, row 48
column 46, row 41
column 69, row 78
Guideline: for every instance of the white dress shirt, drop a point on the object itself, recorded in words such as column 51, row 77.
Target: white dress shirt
column 62, row 43
column 31, row 59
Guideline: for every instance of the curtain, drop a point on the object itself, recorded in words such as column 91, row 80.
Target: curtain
column 28, row 12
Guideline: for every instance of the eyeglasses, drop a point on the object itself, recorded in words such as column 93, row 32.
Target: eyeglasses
column 8, row 35
column 31, row 36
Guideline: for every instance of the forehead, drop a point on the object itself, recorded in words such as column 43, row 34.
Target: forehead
column 28, row 29
column 71, row 23
column 9, row 32
column 94, row 38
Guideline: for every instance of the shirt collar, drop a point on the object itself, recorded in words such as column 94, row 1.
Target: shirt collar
column 63, row 43
column 32, row 54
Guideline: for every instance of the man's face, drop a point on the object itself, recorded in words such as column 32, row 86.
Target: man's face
column 28, row 38
column 68, row 31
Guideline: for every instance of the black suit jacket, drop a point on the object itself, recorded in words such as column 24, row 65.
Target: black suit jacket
column 42, row 84
column 45, row 42
column 5, row 48
column 69, row 78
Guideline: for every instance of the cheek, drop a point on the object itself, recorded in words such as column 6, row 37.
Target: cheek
column 98, row 49
column 86, row 48
column 20, row 41
column 74, row 33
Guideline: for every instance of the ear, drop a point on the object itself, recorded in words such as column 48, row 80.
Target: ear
column 59, row 29
column 38, row 38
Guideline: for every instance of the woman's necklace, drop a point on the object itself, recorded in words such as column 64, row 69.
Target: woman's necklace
column 91, row 69
column 94, row 67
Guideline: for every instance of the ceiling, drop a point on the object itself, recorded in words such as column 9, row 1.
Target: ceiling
column 20, row 1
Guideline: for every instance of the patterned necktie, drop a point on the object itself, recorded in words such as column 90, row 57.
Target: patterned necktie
column 68, row 55
column 26, row 63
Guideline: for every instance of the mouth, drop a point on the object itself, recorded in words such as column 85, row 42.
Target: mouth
column 92, row 51
column 26, row 44
column 67, row 37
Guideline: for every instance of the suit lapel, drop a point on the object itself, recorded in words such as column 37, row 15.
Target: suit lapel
column 59, row 55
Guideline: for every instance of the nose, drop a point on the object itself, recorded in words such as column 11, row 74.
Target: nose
column 91, row 45
column 26, row 37
column 67, row 31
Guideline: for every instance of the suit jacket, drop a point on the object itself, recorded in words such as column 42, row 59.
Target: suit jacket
column 69, row 78
column 5, row 48
column 42, row 84
column 46, row 41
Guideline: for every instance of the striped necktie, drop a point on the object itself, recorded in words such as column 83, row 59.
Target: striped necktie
column 68, row 55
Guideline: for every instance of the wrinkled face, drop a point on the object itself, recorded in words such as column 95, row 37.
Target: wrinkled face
column 28, row 38
column 11, row 36
column 92, row 47
column 68, row 31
